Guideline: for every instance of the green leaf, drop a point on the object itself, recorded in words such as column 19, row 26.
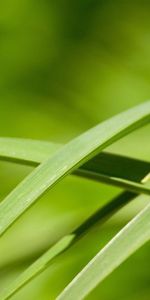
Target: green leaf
column 25, row 151
column 63, row 244
column 67, row 159
column 124, row 244
column 105, row 167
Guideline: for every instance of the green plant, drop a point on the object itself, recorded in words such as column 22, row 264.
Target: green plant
column 82, row 157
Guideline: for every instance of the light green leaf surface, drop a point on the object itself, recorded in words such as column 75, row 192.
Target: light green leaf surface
column 63, row 160
column 106, row 167
column 124, row 244
column 26, row 151
column 67, row 241
column 67, row 159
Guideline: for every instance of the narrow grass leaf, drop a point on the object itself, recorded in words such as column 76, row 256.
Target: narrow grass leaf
column 135, row 234
column 100, row 216
column 106, row 167
column 67, row 159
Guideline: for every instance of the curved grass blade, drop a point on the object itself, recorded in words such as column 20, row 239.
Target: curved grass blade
column 106, row 167
column 100, row 216
column 135, row 234
column 67, row 159
column 26, row 151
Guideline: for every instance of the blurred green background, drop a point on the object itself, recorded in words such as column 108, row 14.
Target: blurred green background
column 66, row 66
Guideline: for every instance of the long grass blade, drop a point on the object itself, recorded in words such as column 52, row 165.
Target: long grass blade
column 106, row 167
column 135, row 234
column 66, row 242
column 26, row 151
column 67, row 159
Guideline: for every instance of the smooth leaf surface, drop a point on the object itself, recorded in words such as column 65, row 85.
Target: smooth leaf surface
column 63, row 244
column 135, row 234
column 105, row 167
column 67, row 159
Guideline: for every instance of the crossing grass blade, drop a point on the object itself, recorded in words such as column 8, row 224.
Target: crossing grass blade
column 67, row 159
column 100, row 216
column 26, row 151
column 135, row 234
column 106, row 167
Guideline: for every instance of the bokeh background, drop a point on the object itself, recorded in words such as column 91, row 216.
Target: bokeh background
column 64, row 67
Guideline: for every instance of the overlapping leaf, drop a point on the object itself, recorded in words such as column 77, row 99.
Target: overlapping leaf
column 81, row 153
column 67, row 241
column 135, row 234
column 105, row 167
column 67, row 159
